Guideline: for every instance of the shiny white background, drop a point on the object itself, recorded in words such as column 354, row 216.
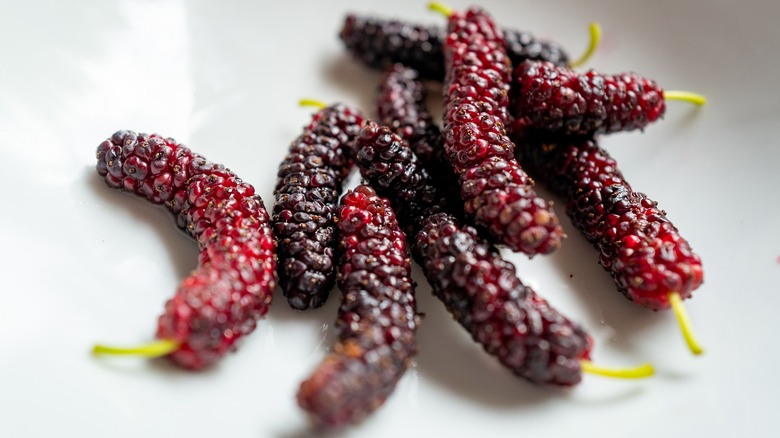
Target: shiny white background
column 82, row 263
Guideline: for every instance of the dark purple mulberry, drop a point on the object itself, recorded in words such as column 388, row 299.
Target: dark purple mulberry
column 307, row 191
column 548, row 98
column 638, row 245
column 401, row 106
column 477, row 286
column 233, row 284
column 380, row 43
column 497, row 193
column 507, row 318
column 377, row 317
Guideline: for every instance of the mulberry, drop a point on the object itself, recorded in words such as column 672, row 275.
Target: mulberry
column 401, row 106
column 552, row 99
column 233, row 284
column 478, row 287
column 307, row 191
column 377, row 317
column 497, row 193
column 379, row 43
column 638, row 245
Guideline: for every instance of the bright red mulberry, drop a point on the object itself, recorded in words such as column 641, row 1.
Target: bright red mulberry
column 497, row 193
column 552, row 99
column 307, row 191
column 467, row 274
column 377, row 318
column 638, row 245
column 379, row 43
column 234, row 282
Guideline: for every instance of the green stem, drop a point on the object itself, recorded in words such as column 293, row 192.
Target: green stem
column 685, row 96
column 638, row 372
column 685, row 324
column 312, row 102
column 440, row 8
column 595, row 38
column 157, row 348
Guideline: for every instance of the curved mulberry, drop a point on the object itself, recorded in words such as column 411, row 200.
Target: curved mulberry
column 379, row 43
column 552, row 99
column 497, row 193
column 477, row 286
column 233, row 284
column 377, row 317
column 307, row 191
column 638, row 245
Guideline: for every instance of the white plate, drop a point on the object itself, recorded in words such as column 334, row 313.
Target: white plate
column 82, row 263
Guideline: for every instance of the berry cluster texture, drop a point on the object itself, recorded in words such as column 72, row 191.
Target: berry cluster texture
column 401, row 105
column 497, row 194
column 638, row 245
column 553, row 99
column 306, row 197
column 377, row 318
column 479, row 288
column 379, row 43
column 233, row 284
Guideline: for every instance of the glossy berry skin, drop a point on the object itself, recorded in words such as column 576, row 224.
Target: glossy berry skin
column 498, row 195
column 401, row 106
column 638, row 245
column 380, row 43
column 388, row 163
column 308, row 186
column 377, row 318
column 479, row 288
column 233, row 284
column 507, row 318
column 551, row 99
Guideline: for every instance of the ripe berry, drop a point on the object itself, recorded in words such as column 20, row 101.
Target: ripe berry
column 553, row 99
column 307, row 191
column 377, row 318
column 401, row 106
column 638, row 245
column 379, row 43
column 497, row 193
column 477, row 286
column 233, row 284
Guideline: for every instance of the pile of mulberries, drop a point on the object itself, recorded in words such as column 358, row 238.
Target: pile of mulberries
column 447, row 197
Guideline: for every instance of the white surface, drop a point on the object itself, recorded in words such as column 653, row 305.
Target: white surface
column 82, row 263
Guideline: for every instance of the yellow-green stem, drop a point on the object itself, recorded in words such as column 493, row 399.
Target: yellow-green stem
column 685, row 324
column 312, row 102
column 440, row 8
column 595, row 38
column 157, row 348
column 685, row 96
column 639, row 372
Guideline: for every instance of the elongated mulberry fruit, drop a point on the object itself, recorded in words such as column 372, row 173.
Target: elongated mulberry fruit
column 477, row 286
column 379, row 43
column 497, row 193
column 233, row 284
column 307, row 191
column 638, row 245
column 552, row 99
column 401, row 106
column 377, row 318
